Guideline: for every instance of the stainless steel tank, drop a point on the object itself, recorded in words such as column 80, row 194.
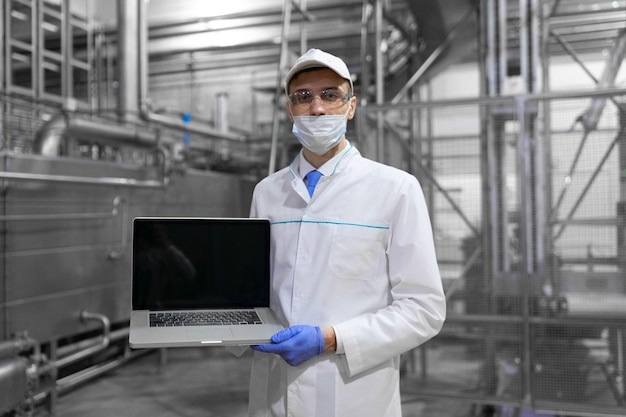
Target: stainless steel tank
column 66, row 234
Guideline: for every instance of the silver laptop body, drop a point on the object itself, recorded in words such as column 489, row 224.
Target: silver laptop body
column 200, row 282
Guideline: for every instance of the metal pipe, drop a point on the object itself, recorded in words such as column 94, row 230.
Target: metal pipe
column 3, row 53
column 620, row 357
column 71, row 349
column 128, row 44
column 302, row 8
column 498, row 100
column 70, row 381
column 549, row 267
column 64, row 216
column 51, row 137
column 192, row 127
column 489, row 87
column 590, row 221
column 142, row 66
column 524, row 151
column 98, row 69
column 569, row 321
column 502, row 39
column 13, row 347
column 67, row 37
column 487, row 48
column 121, row 250
column 106, row 328
column 535, row 42
column 379, row 80
column 537, row 161
column 586, row 16
column 279, row 76
column 115, row 134
column 13, row 383
column 620, row 208
column 126, row 182
column 74, row 348
column 524, row 47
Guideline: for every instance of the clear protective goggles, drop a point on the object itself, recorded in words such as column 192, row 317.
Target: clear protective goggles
column 331, row 98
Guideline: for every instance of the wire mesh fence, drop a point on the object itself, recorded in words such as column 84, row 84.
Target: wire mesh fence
column 527, row 198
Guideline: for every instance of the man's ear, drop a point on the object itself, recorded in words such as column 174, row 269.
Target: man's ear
column 352, row 107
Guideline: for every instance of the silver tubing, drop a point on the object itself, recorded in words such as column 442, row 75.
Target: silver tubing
column 104, row 343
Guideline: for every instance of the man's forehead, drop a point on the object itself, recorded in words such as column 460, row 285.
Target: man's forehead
column 317, row 76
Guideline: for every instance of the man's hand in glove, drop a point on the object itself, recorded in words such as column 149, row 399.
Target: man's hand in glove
column 296, row 344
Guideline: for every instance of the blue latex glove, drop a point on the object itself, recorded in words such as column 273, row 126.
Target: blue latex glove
column 296, row 344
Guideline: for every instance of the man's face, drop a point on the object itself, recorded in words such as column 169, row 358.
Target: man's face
column 323, row 85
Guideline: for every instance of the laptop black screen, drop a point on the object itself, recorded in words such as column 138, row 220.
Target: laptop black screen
column 184, row 263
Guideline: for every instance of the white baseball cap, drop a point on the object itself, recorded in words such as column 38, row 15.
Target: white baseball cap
column 316, row 58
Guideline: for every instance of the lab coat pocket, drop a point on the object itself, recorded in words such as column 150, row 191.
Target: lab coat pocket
column 357, row 251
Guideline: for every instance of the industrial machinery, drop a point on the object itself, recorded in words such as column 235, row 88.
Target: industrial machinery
column 65, row 243
column 72, row 181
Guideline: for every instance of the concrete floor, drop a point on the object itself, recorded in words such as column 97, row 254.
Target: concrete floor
column 207, row 382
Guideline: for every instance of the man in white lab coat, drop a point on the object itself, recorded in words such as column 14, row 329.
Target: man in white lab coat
column 354, row 272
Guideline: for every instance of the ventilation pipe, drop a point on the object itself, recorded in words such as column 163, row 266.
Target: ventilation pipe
column 51, row 138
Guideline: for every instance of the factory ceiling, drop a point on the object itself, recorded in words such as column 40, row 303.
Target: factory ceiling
column 249, row 33
column 235, row 33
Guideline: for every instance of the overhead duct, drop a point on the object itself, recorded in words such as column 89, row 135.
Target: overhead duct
column 51, row 138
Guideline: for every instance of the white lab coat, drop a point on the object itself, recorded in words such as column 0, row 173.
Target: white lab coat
column 358, row 256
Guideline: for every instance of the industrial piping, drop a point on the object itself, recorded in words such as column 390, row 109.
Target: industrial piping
column 128, row 55
column 50, row 138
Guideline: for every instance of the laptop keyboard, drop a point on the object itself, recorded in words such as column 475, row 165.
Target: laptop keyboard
column 210, row 318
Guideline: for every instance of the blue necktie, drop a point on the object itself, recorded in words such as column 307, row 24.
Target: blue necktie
column 311, row 181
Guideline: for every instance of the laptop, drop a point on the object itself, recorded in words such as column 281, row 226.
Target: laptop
column 200, row 282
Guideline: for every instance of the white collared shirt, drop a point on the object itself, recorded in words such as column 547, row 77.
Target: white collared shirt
column 329, row 167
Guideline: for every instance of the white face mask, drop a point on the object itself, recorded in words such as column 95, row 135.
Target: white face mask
column 319, row 134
